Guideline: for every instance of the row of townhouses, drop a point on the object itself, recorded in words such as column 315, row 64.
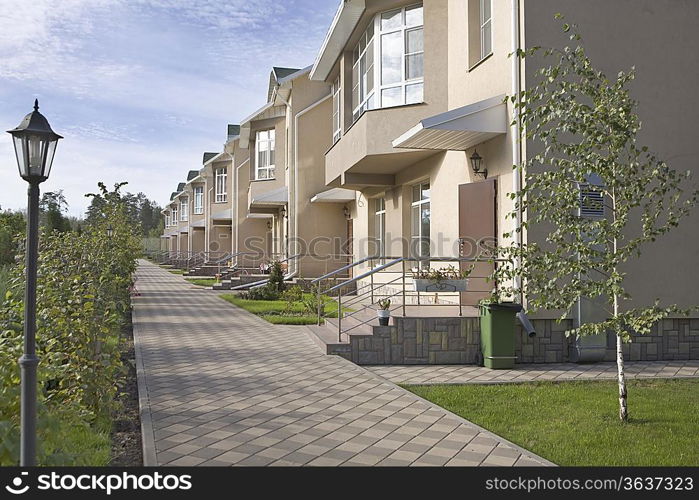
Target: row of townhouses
column 370, row 152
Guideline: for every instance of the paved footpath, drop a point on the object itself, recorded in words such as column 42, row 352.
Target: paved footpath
column 457, row 375
column 221, row 387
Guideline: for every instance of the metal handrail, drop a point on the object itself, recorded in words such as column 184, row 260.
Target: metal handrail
column 367, row 274
column 361, row 292
column 342, row 269
column 261, row 283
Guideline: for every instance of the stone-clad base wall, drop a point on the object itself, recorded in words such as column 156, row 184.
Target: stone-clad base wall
column 672, row 339
column 443, row 341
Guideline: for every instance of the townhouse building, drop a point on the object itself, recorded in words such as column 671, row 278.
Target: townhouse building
column 398, row 142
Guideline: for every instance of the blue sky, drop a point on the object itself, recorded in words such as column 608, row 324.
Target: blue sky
column 141, row 88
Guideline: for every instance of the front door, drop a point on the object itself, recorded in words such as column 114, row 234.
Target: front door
column 478, row 235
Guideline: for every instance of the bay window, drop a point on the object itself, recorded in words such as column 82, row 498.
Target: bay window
column 198, row 200
column 221, row 181
column 265, row 144
column 395, row 41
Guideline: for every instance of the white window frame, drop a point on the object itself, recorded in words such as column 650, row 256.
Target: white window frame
column 417, row 207
column 337, row 114
column 221, row 176
column 265, row 171
column 483, row 24
column 380, row 225
column 167, row 220
column 174, row 216
column 184, row 209
column 369, row 99
column 199, row 200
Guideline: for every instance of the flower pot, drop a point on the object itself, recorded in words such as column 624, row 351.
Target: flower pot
column 441, row 286
column 384, row 317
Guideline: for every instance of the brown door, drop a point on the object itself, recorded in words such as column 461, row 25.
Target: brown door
column 478, row 234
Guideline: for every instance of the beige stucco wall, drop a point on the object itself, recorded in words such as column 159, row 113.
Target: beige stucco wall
column 318, row 228
column 216, row 243
column 659, row 38
column 248, row 232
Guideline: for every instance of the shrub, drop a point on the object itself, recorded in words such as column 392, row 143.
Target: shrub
column 83, row 300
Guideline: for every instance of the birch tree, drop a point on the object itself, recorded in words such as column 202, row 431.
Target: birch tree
column 598, row 196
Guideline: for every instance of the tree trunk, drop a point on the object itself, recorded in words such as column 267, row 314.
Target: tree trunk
column 623, row 407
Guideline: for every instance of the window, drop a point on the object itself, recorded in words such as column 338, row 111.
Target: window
column 221, row 181
column 264, row 168
column 420, row 218
column 480, row 30
column 363, row 73
column 398, row 48
column 198, row 200
column 184, row 209
column 337, row 116
column 174, row 215
column 380, row 226
column 486, row 28
column 167, row 220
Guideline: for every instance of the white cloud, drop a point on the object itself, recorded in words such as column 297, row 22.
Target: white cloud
column 140, row 88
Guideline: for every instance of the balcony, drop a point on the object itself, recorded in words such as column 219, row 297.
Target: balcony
column 365, row 155
column 267, row 196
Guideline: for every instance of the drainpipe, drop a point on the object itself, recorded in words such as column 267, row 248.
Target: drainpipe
column 208, row 221
column 294, row 170
column 237, row 224
column 516, row 137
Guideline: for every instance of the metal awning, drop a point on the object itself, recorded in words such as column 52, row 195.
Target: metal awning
column 459, row 129
column 336, row 195
column 222, row 215
column 277, row 198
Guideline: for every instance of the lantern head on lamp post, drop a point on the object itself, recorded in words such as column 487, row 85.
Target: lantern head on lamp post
column 35, row 146
column 110, row 231
column 477, row 165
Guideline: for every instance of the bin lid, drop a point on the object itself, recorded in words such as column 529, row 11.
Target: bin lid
column 504, row 306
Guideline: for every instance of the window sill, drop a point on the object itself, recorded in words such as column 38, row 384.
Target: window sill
column 264, row 180
column 480, row 62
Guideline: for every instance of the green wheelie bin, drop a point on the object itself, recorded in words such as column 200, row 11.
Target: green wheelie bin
column 498, row 334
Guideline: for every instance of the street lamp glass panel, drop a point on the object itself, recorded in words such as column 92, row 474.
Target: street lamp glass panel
column 34, row 154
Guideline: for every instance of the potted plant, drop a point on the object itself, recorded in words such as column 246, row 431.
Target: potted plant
column 384, row 312
column 449, row 279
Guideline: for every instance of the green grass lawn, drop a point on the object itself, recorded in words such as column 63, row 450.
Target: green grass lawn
column 576, row 423
column 203, row 282
column 278, row 312
column 179, row 272
column 77, row 444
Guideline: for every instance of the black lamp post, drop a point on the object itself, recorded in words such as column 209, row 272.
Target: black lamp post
column 110, row 232
column 35, row 146
column 477, row 165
